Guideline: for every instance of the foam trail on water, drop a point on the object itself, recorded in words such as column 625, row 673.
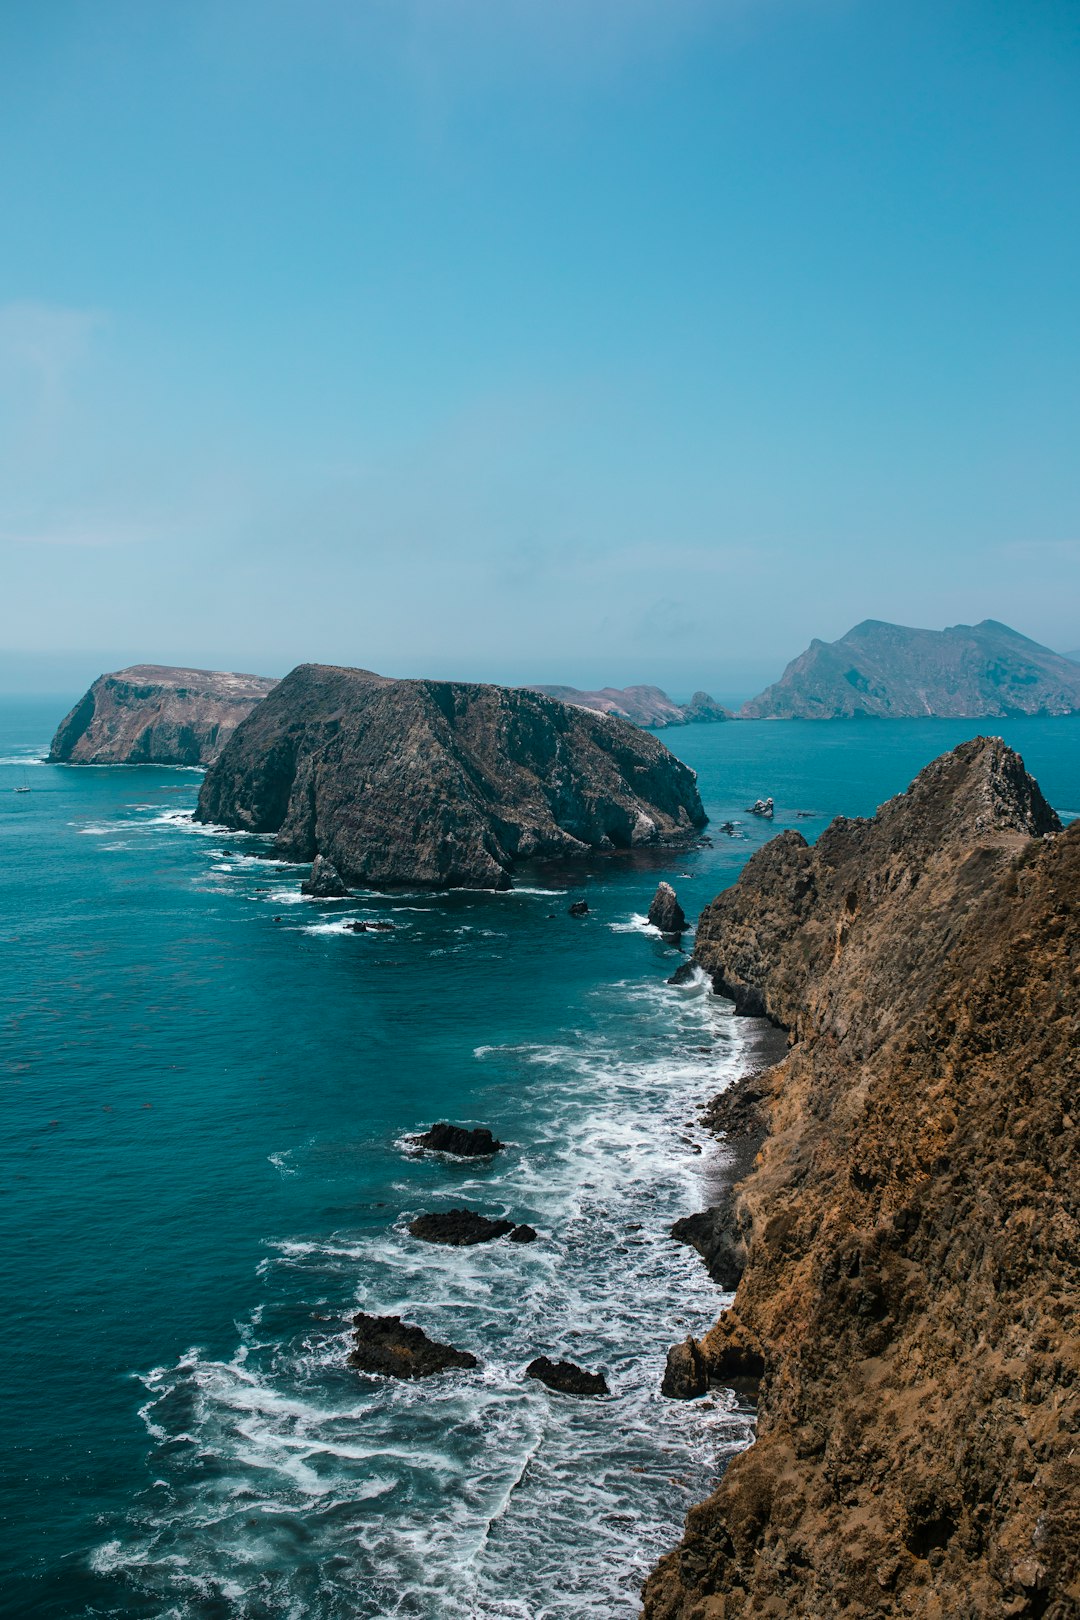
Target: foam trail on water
column 288, row 1484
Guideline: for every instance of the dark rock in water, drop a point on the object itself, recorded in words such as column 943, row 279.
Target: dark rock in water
column 460, row 1228
column 665, row 911
column 762, row 807
column 686, row 1376
column 152, row 714
column 371, row 927
column 324, row 881
column 567, row 1379
column 442, row 784
column 716, row 1236
column 580, row 908
column 386, row 1344
column 729, row 828
column 685, row 973
column 467, row 1144
column 523, row 1234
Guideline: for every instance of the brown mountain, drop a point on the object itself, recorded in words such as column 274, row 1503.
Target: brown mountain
column 440, row 783
column 911, row 1231
column 888, row 670
column 152, row 714
column 641, row 705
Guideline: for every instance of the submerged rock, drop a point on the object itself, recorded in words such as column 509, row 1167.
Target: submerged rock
column 665, row 911
column 579, row 908
column 397, row 1349
column 567, row 1379
column 686, row 1376
column 459, row 1139
column 460, row 1228
column 324, row 882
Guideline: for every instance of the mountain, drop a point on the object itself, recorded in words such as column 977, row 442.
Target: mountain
column 442, row 784
column 642, row 705
column 968, row 671
column 909, row 1237
column 152, row 714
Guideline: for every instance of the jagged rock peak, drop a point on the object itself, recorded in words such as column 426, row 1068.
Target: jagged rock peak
column 325, row 881
column 155, row 714
column 665, row 911
column 442, row 784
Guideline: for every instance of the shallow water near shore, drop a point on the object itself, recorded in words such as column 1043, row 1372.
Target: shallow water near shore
column 209, row 1085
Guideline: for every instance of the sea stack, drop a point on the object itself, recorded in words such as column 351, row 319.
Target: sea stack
column 153, row 714
column 665, row 911
column 911, row 1289
column 441, row 784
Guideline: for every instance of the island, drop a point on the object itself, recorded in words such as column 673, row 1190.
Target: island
column 442, row 784
column 891, row 671
column 641, row 705
column 154, row 714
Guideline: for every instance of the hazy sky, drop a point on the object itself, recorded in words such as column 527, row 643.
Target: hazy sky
column 534, row 339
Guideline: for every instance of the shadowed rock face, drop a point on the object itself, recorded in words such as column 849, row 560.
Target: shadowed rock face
column 912, row 1279
column 154, row 715
column 440, row 784
column 566, row 1378
column 889, row 670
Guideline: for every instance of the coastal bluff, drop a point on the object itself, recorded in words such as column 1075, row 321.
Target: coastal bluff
column 890, row 671
column 442, row 784
column 155, row 714
column 910, row 1235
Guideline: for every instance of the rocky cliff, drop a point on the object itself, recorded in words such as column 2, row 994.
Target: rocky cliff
column 911, row 1231
column 641, row 705
column 441, row 783
column 151, row 714
column 890, row 671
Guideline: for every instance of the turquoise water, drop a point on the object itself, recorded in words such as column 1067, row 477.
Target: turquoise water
column 204, row 1173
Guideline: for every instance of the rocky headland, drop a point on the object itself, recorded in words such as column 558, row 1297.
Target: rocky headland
column 907, row 1247
column 641, row 705
column 442, row 784
column 151, row 714
column 891, row 671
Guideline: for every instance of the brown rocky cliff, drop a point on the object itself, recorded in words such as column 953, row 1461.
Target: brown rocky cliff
column 913, row 1273
column 154, row 714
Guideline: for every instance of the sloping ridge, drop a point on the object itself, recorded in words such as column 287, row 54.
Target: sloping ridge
column 893, row 671
column 442, row 784
column 911, row 1230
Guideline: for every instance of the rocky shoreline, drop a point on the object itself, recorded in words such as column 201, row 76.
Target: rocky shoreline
column 907, row 1246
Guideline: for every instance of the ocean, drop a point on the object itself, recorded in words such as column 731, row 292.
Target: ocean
column 209, row 1087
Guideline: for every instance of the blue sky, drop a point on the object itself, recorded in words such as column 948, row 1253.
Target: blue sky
column 587, row 340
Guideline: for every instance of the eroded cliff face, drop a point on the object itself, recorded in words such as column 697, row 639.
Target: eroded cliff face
column 442, row 784
column 153, row 714
column 911, row 1231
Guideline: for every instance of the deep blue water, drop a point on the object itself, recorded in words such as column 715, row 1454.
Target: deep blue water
column 203, row 1174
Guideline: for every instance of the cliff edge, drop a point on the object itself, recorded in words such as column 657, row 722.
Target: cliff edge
column 153, row 714
column 442, row 784
column 911, row 1231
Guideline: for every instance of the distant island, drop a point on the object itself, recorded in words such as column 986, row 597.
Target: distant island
column 442, row 784
column 888, row 670
column 641, row 705
column 154, row 714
